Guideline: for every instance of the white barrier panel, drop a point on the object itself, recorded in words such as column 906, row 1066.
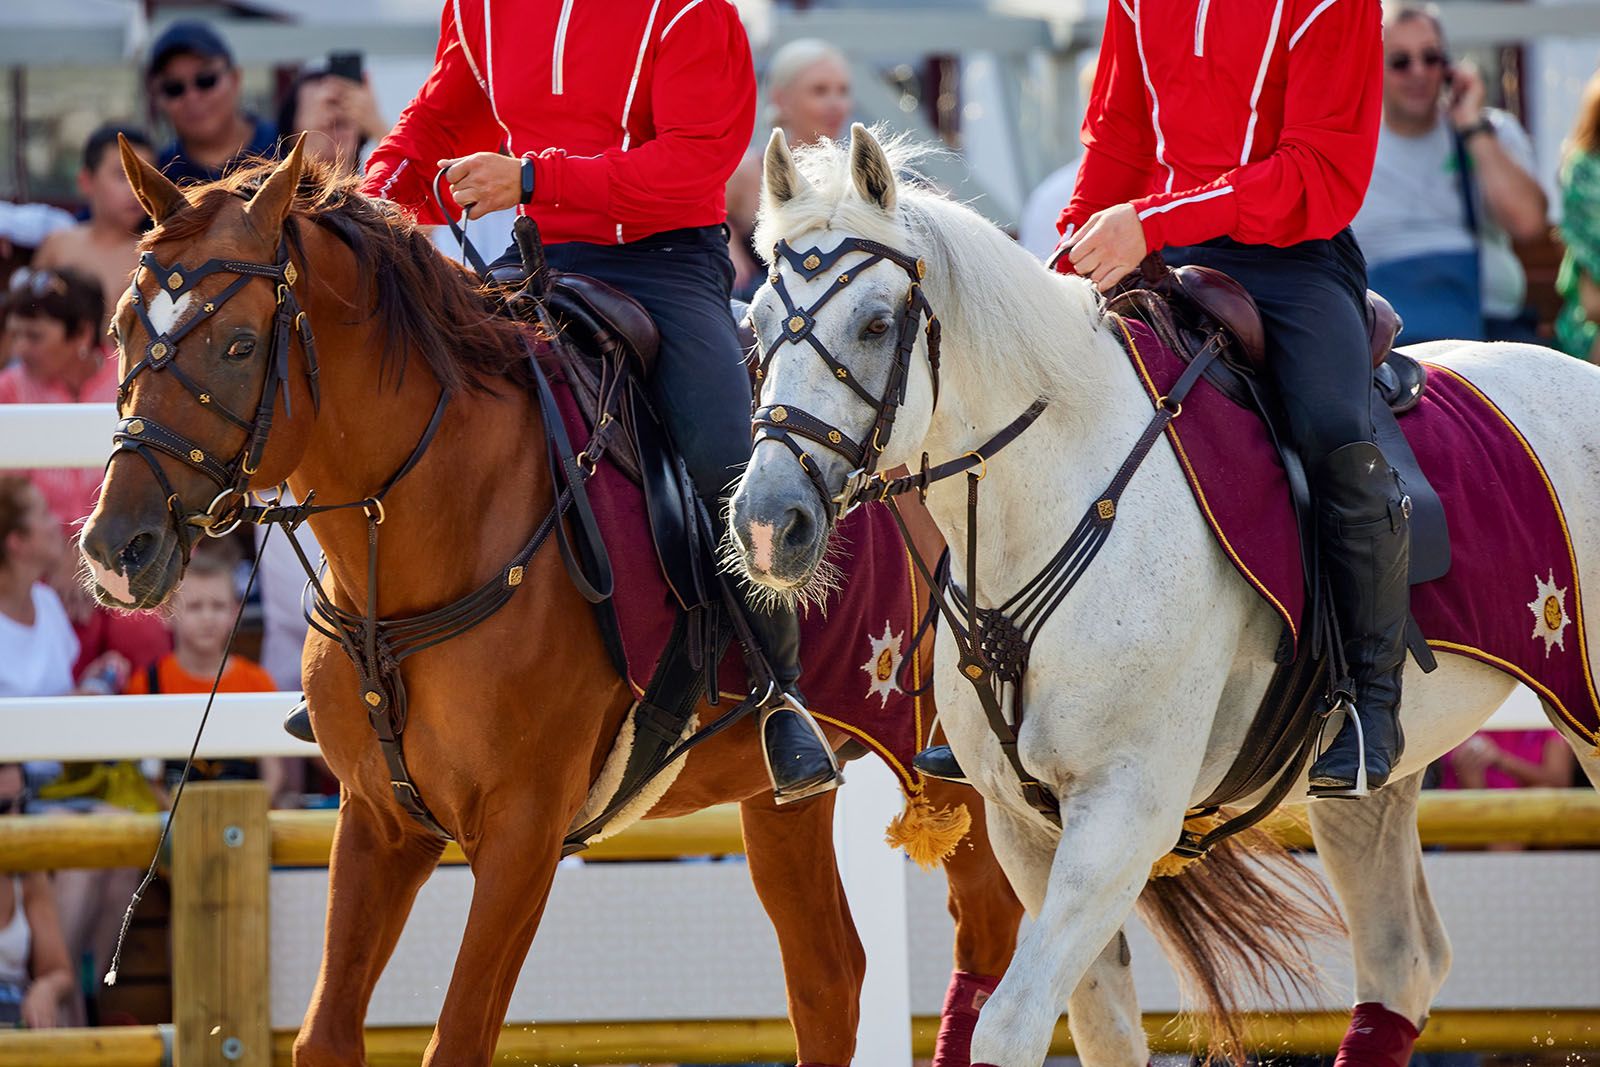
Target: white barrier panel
column 135, row 727
column 250, row 724
column 56, row 435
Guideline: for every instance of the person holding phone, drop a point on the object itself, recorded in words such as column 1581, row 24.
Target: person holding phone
column 1452, row 188
column 335, row 108
column 195, row 84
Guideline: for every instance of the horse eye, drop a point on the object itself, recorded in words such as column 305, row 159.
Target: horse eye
column 241, row 348
column 878, row 326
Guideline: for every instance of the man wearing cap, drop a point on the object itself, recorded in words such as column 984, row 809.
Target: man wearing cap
column 192, row 77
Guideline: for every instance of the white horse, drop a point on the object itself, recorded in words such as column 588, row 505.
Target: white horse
column 1143, row 683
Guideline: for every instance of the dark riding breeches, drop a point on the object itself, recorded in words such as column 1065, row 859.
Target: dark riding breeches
column 1312, row 297
column 700, row 387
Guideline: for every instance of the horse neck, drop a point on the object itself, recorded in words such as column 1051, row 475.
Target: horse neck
column 459, row 514
column 1034, row 492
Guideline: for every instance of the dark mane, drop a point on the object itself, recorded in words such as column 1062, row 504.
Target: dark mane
column 422, row 301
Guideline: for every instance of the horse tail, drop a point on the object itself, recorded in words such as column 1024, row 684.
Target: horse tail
column 1239, row 929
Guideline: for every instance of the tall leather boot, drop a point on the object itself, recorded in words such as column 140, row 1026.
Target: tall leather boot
column 297, row 723
column 1364, row 524
column 799, row 759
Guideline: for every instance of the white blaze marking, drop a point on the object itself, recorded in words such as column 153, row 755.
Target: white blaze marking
column 166, row 313
column 113, row 583
column 761, row 544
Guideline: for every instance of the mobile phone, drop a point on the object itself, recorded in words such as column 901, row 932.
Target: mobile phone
column 345, row 65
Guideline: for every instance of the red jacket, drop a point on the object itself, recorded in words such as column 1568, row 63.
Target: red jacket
column 638, row 111
column 1259, row 122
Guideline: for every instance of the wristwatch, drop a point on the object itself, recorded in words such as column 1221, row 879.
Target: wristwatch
column 1483, row 125
column 527, row 180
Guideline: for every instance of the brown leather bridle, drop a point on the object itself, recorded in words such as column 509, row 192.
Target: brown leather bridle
column 144, row 437
column 778, row 422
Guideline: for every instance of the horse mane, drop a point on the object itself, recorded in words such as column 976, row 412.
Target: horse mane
column 1037, row 327
column 422, row 301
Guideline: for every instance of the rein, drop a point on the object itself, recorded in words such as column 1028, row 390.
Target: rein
column 995, row 643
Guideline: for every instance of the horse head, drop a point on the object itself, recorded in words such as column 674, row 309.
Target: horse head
column 848, row 345
column 204, row 335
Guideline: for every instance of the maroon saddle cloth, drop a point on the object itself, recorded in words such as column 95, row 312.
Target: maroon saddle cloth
column 853, row 648
column 1511, row 597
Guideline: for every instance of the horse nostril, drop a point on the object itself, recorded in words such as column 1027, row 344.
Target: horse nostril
column 136, row 553
column 799, row 531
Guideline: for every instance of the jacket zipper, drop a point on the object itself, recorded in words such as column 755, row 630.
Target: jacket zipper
column 1200, row 28
column 557, row 75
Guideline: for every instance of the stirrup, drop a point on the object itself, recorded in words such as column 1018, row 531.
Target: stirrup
column 774, row 700
column 1340, row 791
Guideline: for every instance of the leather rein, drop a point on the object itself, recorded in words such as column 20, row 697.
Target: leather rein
column 375, row 646
column 995, row 643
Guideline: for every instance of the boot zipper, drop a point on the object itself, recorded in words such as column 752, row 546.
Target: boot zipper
column 557, row 75
column 1200, row 28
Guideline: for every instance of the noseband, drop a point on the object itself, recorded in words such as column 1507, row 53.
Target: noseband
column 778, row 422
column 144, row 437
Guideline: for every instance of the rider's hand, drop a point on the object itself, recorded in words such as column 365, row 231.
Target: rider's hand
column 484, row 182
column 1109, row 247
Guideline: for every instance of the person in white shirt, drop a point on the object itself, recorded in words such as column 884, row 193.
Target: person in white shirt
column 1452, row 188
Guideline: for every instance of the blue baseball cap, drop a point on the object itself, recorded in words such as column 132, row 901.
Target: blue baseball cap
column 189, row 36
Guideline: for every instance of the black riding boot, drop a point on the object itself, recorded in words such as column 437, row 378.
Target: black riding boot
column 1363, row 522
column 937, row 761
column 297, row 723
column 798, row 757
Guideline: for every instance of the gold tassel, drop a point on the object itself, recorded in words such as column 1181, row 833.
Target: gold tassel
column 1173, row 864
column 929, row 836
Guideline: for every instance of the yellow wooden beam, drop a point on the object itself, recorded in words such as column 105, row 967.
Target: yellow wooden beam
column 1566, row 818
column 740, row 1040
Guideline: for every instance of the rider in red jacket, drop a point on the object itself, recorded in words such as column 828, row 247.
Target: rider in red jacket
column 1245, row 142
column 615, row 124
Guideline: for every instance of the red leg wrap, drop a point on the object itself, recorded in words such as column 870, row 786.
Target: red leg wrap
column 1377, row 1038
column 962, row 1001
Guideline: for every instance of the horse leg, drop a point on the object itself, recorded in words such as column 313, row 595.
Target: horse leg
column 1373, row 857
column 375, row 870
column 986, row 914
column 1114, row 829
column 790, row 852
column 1103, row 1010
column 513, row 862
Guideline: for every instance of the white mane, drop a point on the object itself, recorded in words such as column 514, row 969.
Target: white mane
column 1010, row 324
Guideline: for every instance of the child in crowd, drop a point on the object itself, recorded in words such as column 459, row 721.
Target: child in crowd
column 203, row 610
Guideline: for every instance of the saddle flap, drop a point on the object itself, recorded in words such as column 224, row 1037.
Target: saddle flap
column 669, row 510
column 599, row 307
column 1229, row 305
column 1383, row 326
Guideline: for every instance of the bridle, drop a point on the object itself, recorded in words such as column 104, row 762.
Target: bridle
column 145, row 437
column 778, row 422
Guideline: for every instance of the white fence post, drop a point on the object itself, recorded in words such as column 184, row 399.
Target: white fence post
column 874, row 878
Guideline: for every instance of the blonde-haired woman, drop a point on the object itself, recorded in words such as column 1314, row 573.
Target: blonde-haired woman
column 808, row 97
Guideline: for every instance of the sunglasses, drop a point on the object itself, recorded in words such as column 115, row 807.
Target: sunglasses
column 204, row 82
column 37, row 281
column 1401, row 62
column 14, row 805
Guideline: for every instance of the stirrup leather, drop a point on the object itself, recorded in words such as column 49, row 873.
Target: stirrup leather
column 774, row 700
column 1359, row 788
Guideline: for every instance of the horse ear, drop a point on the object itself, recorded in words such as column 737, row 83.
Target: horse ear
column 154, row 190
column 270, row 206
column 781, row 180
column 871, row 169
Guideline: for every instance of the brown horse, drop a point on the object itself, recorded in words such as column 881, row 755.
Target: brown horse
column 510, row 722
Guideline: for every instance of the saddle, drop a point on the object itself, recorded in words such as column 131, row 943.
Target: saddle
column 1190, row 308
